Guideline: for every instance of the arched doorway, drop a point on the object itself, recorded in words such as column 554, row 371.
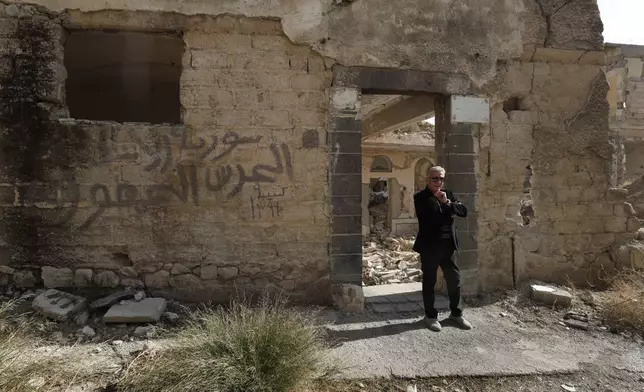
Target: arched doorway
column 420, row 173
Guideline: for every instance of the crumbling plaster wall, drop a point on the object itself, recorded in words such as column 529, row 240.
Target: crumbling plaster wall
column 547, row 53
column 455, row 37
column 557, row 123
column 233, row 197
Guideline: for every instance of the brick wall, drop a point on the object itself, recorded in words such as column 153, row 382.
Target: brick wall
column 237, row 195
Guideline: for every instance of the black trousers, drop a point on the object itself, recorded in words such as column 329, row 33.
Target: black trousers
column 441, row 255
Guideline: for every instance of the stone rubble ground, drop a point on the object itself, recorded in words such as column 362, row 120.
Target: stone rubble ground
column 522, row 308
column 387, row 259
column 126, row 315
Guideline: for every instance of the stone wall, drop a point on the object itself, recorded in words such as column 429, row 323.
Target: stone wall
column 176, row 207
column 551, row 115
column 236, row 195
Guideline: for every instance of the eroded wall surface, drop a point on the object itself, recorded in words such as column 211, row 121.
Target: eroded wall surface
column 162, row 206
column 234, row 196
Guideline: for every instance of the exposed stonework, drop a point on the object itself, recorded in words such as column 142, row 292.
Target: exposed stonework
column 258, row 185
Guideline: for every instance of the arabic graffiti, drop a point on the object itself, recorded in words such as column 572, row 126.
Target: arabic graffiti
column 224, row 173
column 161, row 155
column 266, row 201
column 182, row 171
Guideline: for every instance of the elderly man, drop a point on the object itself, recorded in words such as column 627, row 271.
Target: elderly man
column 436, row 242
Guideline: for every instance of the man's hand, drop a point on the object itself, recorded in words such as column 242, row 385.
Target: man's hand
column 442, row 197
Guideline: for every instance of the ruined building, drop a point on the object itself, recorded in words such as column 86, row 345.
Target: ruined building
column 195, row 147
column 625, row 73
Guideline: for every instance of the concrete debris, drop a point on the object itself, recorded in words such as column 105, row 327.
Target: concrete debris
column 148, row 310
column 58, row 305
column 81, row 318
column 139, row 296
column 171, row 317
column 568, row 388
column 572, row 323
column 111, row 299
column 390, row 260
column 549, row 295
column 147, row 331
column 88, row 331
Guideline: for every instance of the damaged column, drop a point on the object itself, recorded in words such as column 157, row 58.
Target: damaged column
column 464, row 115
column 345, row 188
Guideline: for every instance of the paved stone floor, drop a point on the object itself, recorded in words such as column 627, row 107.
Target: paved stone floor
column 398, row 298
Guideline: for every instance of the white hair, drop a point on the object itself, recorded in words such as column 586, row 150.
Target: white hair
column 436, row 169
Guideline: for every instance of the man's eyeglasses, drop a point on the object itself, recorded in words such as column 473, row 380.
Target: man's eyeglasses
column 438, row 178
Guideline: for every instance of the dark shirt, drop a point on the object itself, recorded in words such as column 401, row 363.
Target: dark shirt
column 436, row 220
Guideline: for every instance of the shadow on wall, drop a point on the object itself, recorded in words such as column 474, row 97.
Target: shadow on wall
column 37, row 152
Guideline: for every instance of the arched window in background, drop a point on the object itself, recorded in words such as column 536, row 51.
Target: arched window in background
column 420, row 173
column 381, row 164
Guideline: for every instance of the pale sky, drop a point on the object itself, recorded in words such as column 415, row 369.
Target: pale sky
column 623, row 21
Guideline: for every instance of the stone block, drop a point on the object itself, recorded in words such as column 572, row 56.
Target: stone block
column 615, row 225
column 58, row 305
column 24, row 279
column 637, row 256
column 348, row 298
column 158, row 280
column 178, row 269
column 57, row 277
column 550, row 295
column 287, row 285
column 633, row 224
column 111, row 299
column 132, row 283
column 209, row 272
column 5, row 269
column 186, row 282
column 616, row 195
column 83, row 277
column 148, row 310
column 344, row 99
column 227, row 273
column 129, row 272
column 640, row 234
column 229, row 43
column 106, row 279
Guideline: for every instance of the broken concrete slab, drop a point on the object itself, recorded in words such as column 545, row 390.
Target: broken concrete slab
column 58, row 305
column 147, row 311
column 549, row 295
column 112, row 299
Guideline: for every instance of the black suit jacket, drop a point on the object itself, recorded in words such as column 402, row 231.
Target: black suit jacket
column 431, row 216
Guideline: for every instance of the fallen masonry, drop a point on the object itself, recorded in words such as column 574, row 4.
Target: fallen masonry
column 59, row 305
column 549, row 295
column 390, row 260
column 148, row 310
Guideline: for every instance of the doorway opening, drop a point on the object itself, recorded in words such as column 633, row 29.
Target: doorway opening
column 398, row 147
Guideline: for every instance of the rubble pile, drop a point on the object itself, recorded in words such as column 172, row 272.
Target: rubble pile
column 390, row 260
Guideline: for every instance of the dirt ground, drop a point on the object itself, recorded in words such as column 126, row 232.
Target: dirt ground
column 589, row 379
column 514, row 306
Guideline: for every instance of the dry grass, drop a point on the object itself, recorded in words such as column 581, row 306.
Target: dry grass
column 623, row 307
column 264, row 348
column 18, row 337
